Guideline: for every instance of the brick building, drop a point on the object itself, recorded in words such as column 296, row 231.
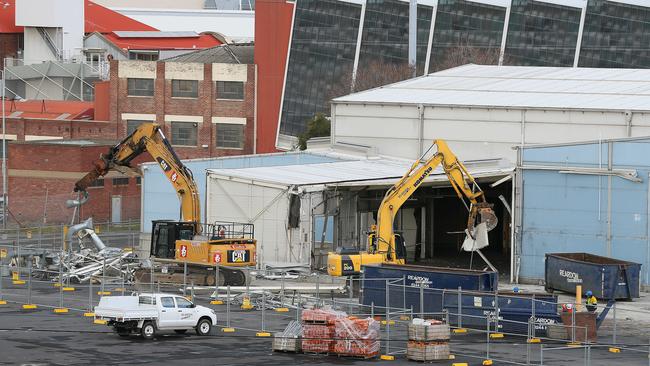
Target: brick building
column 49, row 147
column 205, row 100
column 42, row 176
column 56, row 120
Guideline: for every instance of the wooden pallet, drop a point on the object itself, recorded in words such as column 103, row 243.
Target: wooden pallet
column 285, row 351
column 358, row 357
column 316, row 322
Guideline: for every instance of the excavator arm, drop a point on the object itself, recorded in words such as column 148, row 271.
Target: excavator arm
column 150, row 138
column 463, row 183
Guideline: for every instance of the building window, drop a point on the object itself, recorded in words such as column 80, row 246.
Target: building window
column 185, row 89
column 138, row 181
column 184, row 133
column 121, row 181
column 140, row 87
column 230, row 136
column 132, row 125
column 143, row 55
column 230, row 90
column 98, row 183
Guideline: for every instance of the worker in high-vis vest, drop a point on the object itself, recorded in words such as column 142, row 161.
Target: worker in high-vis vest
column 592, row 302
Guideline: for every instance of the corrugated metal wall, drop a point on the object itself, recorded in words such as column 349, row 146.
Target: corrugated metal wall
column 568, row 212
column 159, row 200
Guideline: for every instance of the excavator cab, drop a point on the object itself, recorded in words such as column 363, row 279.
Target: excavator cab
column 165, row 233
column 398, row 239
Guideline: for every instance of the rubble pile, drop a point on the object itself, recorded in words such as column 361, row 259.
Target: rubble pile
column 109, row 266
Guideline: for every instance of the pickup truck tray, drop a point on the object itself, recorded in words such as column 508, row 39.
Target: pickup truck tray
column 124, row 308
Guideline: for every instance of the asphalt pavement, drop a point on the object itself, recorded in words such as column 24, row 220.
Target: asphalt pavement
column 40, row 337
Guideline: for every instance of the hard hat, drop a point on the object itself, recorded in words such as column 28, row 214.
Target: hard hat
column 589, row 293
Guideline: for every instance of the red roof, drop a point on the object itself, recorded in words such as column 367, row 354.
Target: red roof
column 98, row 19
column 49, row 109
column 164, row 43
column 104, row 20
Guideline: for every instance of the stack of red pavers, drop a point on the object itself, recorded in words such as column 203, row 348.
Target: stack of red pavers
column 356, row 337
column 318, row 330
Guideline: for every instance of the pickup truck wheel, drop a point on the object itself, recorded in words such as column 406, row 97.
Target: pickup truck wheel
column 203, row 327
column 180, row 331
column 148, row 330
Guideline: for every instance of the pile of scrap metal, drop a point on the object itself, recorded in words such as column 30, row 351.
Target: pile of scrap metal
column 96, row 261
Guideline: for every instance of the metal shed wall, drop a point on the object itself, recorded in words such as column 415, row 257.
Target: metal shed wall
column 266, row 205
column 159, row 200
column 404, row 130
column 567, row 212
column 483, row 111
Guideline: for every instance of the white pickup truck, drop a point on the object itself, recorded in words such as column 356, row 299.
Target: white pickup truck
column 148, row 314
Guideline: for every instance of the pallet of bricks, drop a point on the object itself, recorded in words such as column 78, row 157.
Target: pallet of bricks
column 289, row 339
column 333, row 332
column 428, row 340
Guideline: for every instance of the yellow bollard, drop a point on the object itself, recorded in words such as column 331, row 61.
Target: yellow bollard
column 578, row 298
column 246, row 303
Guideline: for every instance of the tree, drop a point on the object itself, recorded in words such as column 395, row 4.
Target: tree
column 464, row 54
column 318, row 126
column 378, row 73
column 372, row 75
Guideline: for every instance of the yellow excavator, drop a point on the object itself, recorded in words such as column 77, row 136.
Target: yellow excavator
column 384, row 245
column 188, row 243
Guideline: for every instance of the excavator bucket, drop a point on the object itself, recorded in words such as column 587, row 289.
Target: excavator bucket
column 478, row 238
column 488, row 218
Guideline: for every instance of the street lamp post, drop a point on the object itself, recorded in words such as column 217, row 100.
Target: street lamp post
column 4, row 155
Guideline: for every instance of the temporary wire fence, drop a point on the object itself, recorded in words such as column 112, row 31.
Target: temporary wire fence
column 485, row 335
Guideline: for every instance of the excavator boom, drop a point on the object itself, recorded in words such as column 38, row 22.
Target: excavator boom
column 150, row 138
column 461, row 181
column 384, row 246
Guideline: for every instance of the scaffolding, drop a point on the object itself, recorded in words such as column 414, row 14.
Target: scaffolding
column 54, row 79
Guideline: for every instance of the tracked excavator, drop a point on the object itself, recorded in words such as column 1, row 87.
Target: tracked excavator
column 185, row 249
column 386, row 246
